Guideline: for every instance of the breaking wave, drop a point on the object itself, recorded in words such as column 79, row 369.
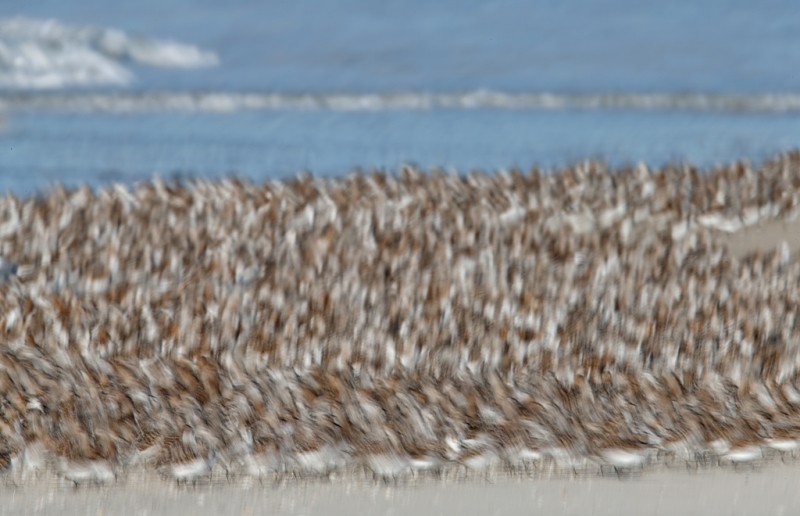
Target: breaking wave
column 230, row 102
column 48, row 54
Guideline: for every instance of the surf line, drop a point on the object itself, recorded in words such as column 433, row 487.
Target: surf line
column 221, row 101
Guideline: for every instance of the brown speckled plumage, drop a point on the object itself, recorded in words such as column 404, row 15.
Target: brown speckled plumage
column 401, row 323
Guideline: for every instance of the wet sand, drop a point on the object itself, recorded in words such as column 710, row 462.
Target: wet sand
column 771, row 490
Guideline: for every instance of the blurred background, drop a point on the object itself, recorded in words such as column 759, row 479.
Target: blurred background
column 97, row 92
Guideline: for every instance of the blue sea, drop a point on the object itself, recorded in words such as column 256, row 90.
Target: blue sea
column 101, row 92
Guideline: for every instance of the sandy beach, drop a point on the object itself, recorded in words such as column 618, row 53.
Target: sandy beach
column 769, row 490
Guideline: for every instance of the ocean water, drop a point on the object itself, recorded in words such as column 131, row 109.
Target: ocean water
column 96, row 92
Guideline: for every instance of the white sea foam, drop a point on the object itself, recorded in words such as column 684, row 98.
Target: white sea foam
column 222, row 101
column 47, row 54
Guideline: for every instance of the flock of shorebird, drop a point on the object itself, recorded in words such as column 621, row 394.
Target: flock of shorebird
column 398, row 323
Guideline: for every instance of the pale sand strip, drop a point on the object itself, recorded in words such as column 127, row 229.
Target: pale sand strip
column 765, row 236
column 772, row 490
